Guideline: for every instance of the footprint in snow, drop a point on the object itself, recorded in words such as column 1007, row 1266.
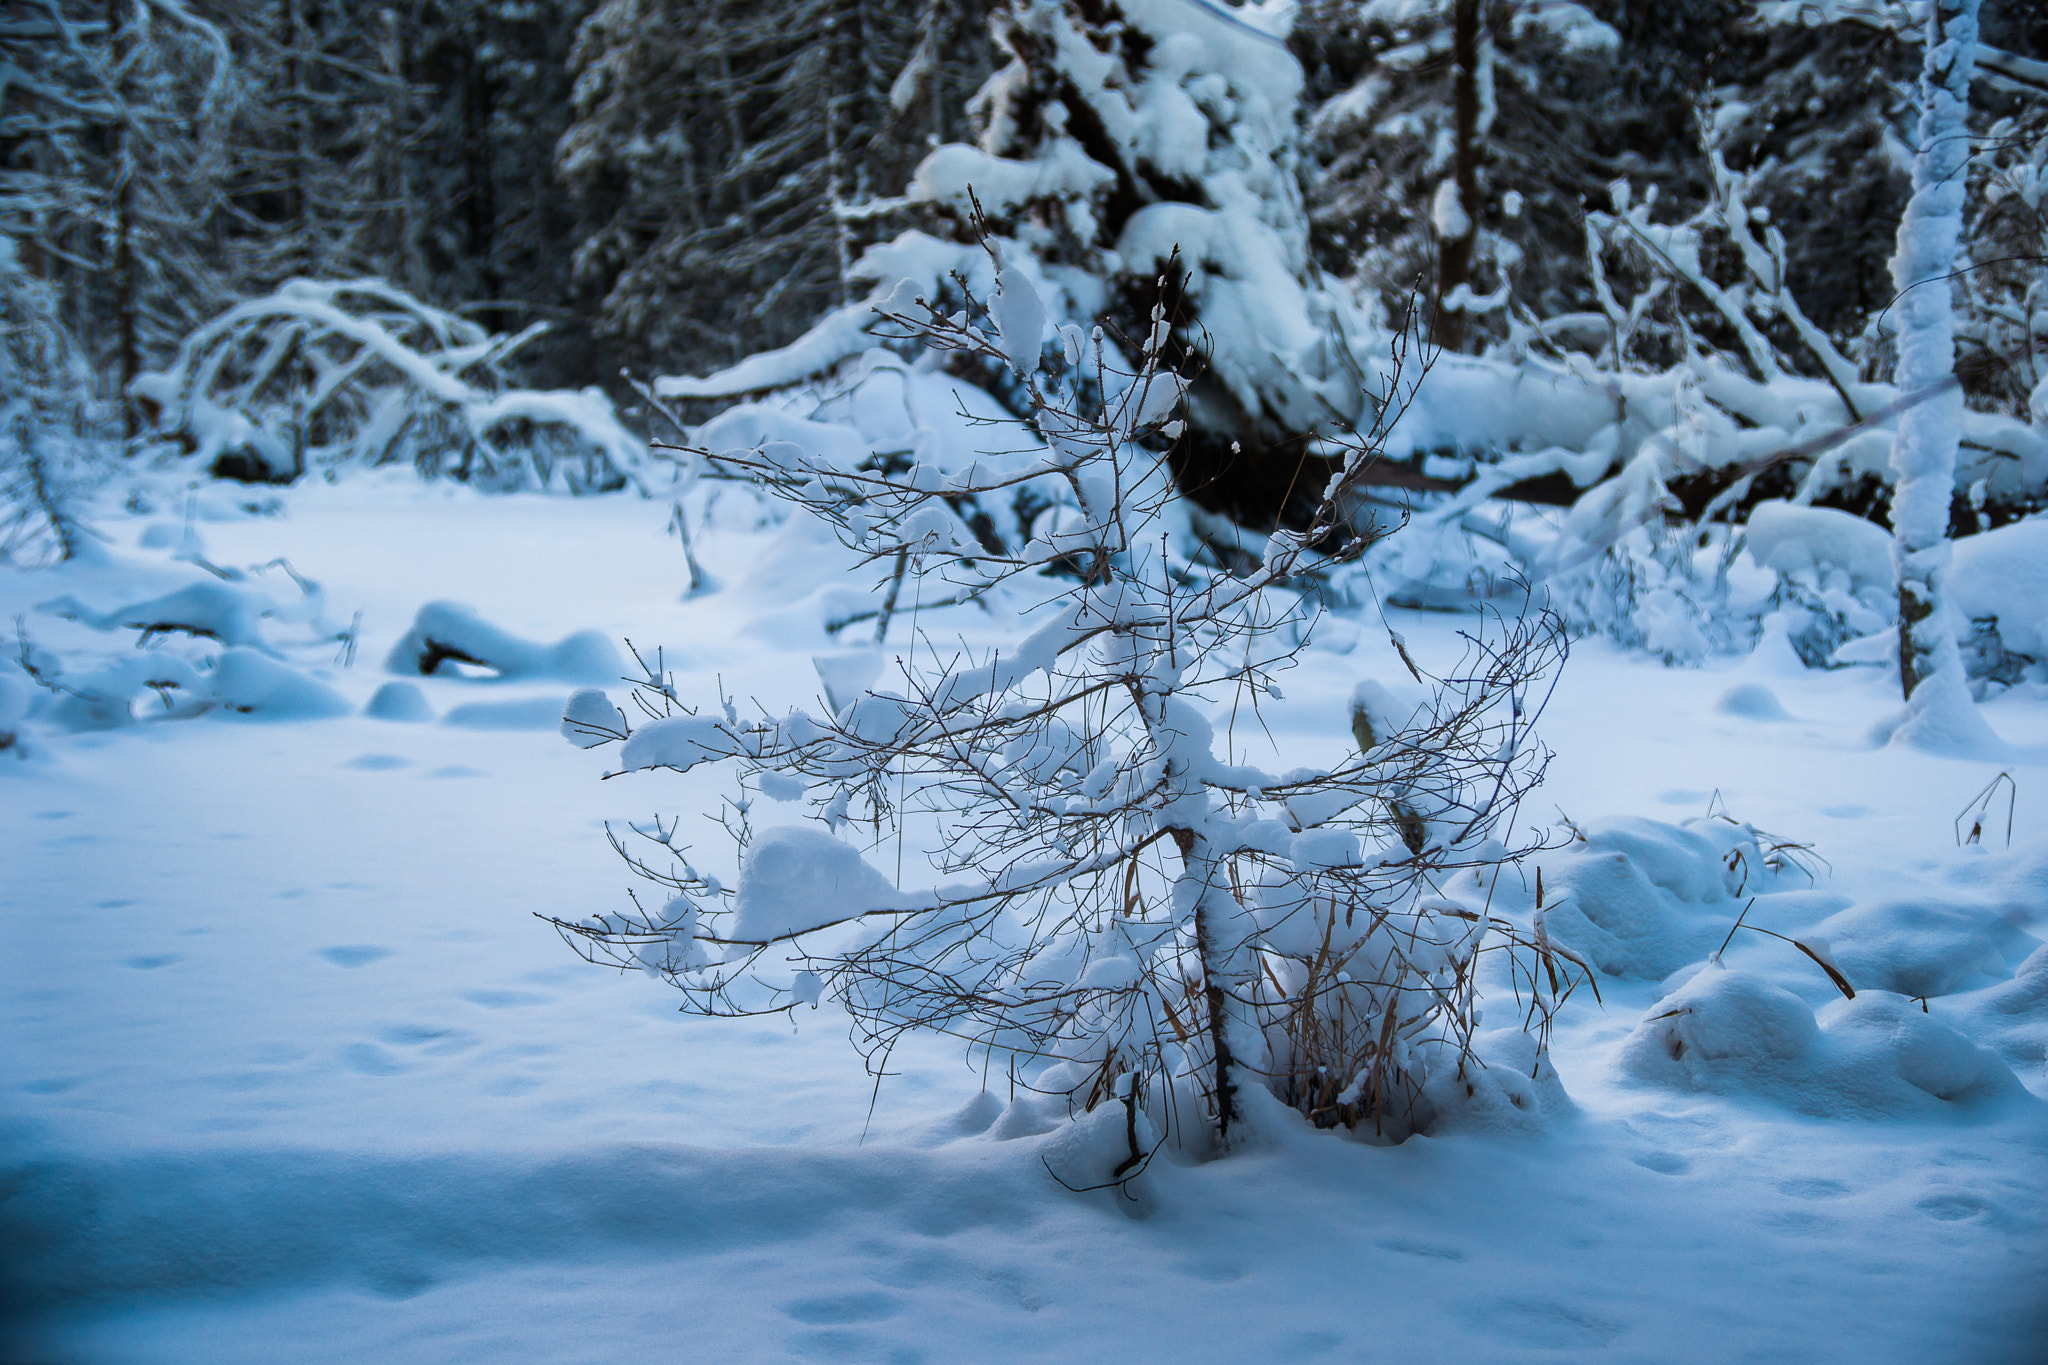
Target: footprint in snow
column 1425, row 1250
column 354, row 954
column 498, row 1000
column 378, row 763
column 400, row 1282
column 371, row 1060
column 1663, row 1163
column 152, row 962
column 438, row 1042
column 1951, row 1208
column 1553, row 1325
column 838, row 1308
column 1812, row 1188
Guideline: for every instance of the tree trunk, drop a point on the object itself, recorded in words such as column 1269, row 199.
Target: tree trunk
column 1459, row 230
column 1198, row 869
column 128, row 346
column 1924, row 452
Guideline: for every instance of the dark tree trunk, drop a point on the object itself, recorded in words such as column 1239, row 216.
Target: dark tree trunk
column 1454, row 254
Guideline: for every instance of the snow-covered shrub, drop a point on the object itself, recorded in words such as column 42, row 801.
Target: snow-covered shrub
column 883, row 413
column 159, row 685
column 1121, row 914
column 448, row 632
column 1999, row 587
column 1921, row 947
column 1641, row 898
column 320, row 375
column 219, row 644
column 1877, row 1054
column 1834, row 573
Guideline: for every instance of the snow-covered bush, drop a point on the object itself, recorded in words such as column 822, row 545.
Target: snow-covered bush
column 1876, row 1054
column 448, row 632
column 1121, row 912
column 320, row 375
column 211, row 646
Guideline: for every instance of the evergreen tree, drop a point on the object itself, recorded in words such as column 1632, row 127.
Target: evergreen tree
column 1458, row 143
column 115, row 122
column 718, row 150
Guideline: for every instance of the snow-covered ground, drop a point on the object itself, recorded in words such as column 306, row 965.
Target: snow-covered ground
column 293, row 1073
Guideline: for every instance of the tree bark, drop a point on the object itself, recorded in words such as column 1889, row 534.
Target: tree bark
column 128, row 345
column 1199, row 867
column 1454, row 252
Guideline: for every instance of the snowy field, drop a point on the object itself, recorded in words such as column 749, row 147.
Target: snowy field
column 293, row 1073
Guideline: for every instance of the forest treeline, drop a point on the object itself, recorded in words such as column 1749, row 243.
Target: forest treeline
column 671, row 185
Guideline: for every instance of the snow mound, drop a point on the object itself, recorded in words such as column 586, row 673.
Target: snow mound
column 1086, row 1154
column 252, row 684
column 105, row 699
column 213, row 611
column 2002, row 575
column 1643, row 898
column 1380, row 712
column 1753, row 701
column 1813, row 541
column 848, row 677
column 445, row 632
column 399, row 701
column 2013, row 1016
column 1733, row 1033
column 1508, row 1086
column 1919, row 947
column 1941, row 717
column 796, row 879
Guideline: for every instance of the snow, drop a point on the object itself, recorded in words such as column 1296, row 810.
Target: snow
column 1019, row 317
column 251, row 684
column 445, row 631
column 294, row 1072
column 221, row 611
column 797, row 878
column 1790, row 540
column 1732, row 1032
column 2002, row 575
column 399, row 701
column 380, row 360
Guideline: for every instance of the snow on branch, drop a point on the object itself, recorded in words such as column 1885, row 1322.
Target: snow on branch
column 325, row 374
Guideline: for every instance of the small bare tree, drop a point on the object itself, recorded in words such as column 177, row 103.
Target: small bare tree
column 1115, row 896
